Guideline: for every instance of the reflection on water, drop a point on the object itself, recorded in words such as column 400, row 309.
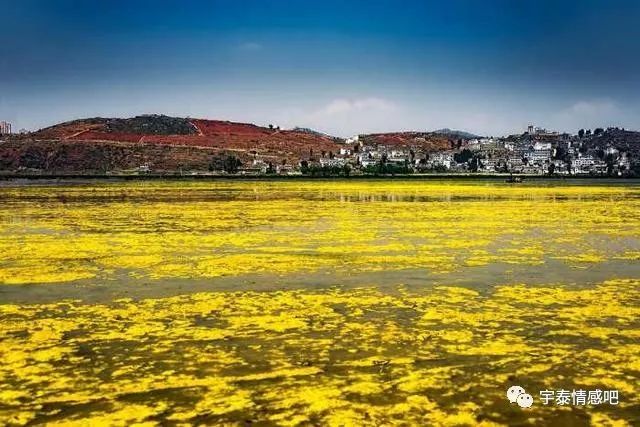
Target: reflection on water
column 324, row 302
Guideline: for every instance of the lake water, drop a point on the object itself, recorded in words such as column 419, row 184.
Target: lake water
column 318, row 302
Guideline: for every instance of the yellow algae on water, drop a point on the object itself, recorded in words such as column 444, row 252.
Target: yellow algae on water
column 211, row 230
column 316, row 303
column 218, row 378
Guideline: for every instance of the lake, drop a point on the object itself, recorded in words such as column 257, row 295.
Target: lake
column 324, row 302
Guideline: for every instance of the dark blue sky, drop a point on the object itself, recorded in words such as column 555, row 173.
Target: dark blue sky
column 340, row 66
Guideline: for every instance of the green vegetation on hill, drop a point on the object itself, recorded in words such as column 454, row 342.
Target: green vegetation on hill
column 456, row 133
column 151, row 124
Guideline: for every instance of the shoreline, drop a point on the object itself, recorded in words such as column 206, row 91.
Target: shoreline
column 216, row 177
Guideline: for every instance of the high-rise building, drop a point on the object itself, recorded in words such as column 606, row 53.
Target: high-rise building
column 5, row 128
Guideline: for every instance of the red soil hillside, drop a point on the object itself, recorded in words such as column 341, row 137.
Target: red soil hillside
column 69, row 129
column 247, row 140
column 218, row 127
column 66, row 156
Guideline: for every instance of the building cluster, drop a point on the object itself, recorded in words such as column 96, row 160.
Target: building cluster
column 536, row 151
column 5, row 128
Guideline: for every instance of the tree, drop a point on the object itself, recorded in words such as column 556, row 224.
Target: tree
column 315, row 170
column 560, row 153
column 609, row 159
column 225, row 162
column 581, row 133
column 598, row 131
column 475, row 164
column 463, row 157
column 231, row 164
column 384, row 168
column 552, row 168
column 304, row 167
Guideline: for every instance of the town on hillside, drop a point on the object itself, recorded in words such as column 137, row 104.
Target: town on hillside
column 610, row 152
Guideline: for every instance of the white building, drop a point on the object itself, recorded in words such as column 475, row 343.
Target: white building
column 260, row 165
column 336, row 161
column 538, row 156
column 352, row 140
column 560, row 167
column 474, row 145
column 5, row 128
column 490, row 143
column 611, row 150
column 583, row 164
column 623, row 162
column 492, row 165
column 442, row 158
column 542, row 146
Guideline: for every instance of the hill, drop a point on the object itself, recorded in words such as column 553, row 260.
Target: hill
column 456, row 133
column 62, row 157
column 426, row 141
column 311, row 131
column 621, row 139
column 142, row 135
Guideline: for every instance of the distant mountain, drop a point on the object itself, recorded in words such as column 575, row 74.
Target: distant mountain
column 456, row 133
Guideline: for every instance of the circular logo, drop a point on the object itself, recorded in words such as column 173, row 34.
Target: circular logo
column 514, row 392
column 525, row 400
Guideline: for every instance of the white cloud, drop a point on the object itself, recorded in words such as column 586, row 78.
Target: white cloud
column 347, row 116
column 371, row 113
column 347, row 106
column 588, row 114
column 593, row 108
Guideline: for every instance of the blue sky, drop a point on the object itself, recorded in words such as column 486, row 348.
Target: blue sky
column 342, row 67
